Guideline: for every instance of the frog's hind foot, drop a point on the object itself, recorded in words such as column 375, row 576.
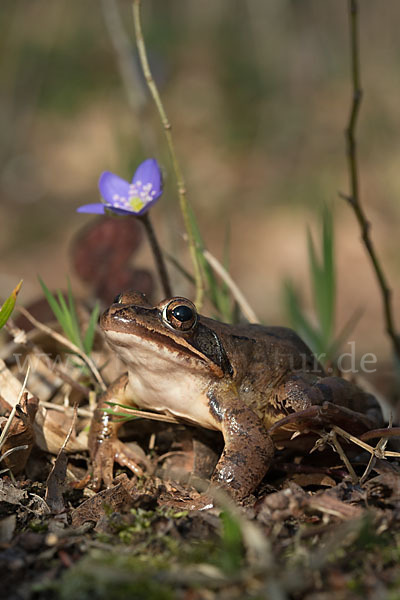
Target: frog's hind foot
column 326, row 415
column 109, row 452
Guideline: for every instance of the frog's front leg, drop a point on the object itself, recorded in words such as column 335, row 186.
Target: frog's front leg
column 104, row 446
column 248, row 450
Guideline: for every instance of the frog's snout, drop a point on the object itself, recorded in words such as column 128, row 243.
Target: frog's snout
column 105, row 321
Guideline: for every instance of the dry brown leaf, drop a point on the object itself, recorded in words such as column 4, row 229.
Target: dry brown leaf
column 56, row 479
column 51, row 428
column 9, row 385
column 20, row 434
column 116, row 498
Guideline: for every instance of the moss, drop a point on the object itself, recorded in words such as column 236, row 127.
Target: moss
column 106, row 575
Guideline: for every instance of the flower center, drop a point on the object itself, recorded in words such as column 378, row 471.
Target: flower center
column 138, row 196
column 135, row 203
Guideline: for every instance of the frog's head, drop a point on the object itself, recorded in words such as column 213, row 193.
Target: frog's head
column 172, row 330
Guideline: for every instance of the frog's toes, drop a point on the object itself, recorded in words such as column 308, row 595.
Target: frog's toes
column 114, row 451
column 102, row 465
column 129, row 456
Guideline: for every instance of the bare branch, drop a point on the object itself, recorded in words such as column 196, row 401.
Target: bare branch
column 354, row 197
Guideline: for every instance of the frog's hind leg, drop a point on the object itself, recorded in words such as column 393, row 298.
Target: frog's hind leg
column 314, row 401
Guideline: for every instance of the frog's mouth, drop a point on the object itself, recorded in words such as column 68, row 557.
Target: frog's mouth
column 143, row 336
column 141, row 345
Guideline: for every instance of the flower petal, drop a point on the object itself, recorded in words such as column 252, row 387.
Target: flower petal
column 96, row 209
column 149, row 172
column 113, row 188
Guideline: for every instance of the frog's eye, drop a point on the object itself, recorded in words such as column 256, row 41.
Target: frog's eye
column 117, row 299
column 180, row 314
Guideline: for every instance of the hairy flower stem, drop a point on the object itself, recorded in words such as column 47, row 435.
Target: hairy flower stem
column 354, row 197
column 158, row 256
column 167, row 130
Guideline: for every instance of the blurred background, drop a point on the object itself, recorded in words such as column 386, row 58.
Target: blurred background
column 258, row 93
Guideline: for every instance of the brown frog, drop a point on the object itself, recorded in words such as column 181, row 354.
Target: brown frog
column 242, row 380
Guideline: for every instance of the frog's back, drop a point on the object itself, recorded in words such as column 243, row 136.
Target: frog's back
column 277, row 333
column 285, row 347
column 276, row 351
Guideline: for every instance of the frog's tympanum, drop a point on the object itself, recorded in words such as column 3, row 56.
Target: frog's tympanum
column 238, row 379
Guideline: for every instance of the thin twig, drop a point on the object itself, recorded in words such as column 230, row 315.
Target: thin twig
column 82, row 412
column 236, row 293
column 381, row 445
column 331, row 439
column 354, row 198
column 378, row 452
column 175, row 163
column 11, row 451
column 65, row 342
column 368, row 468
column 157, row 253
column 344, row 458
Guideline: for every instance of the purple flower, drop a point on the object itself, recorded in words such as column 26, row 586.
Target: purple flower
column 126, row 198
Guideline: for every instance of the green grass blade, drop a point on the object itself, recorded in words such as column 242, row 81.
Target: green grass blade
column 329, row 270
column 91, row 329
column 8, row 305
column 74, row 316
column 111, row 403
column 298, row 320
column 66, row 322
column 65, row 314
column 121, row 416
column 58, row 313
column 323, row 278
column 232, row 542
column 316, row 274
